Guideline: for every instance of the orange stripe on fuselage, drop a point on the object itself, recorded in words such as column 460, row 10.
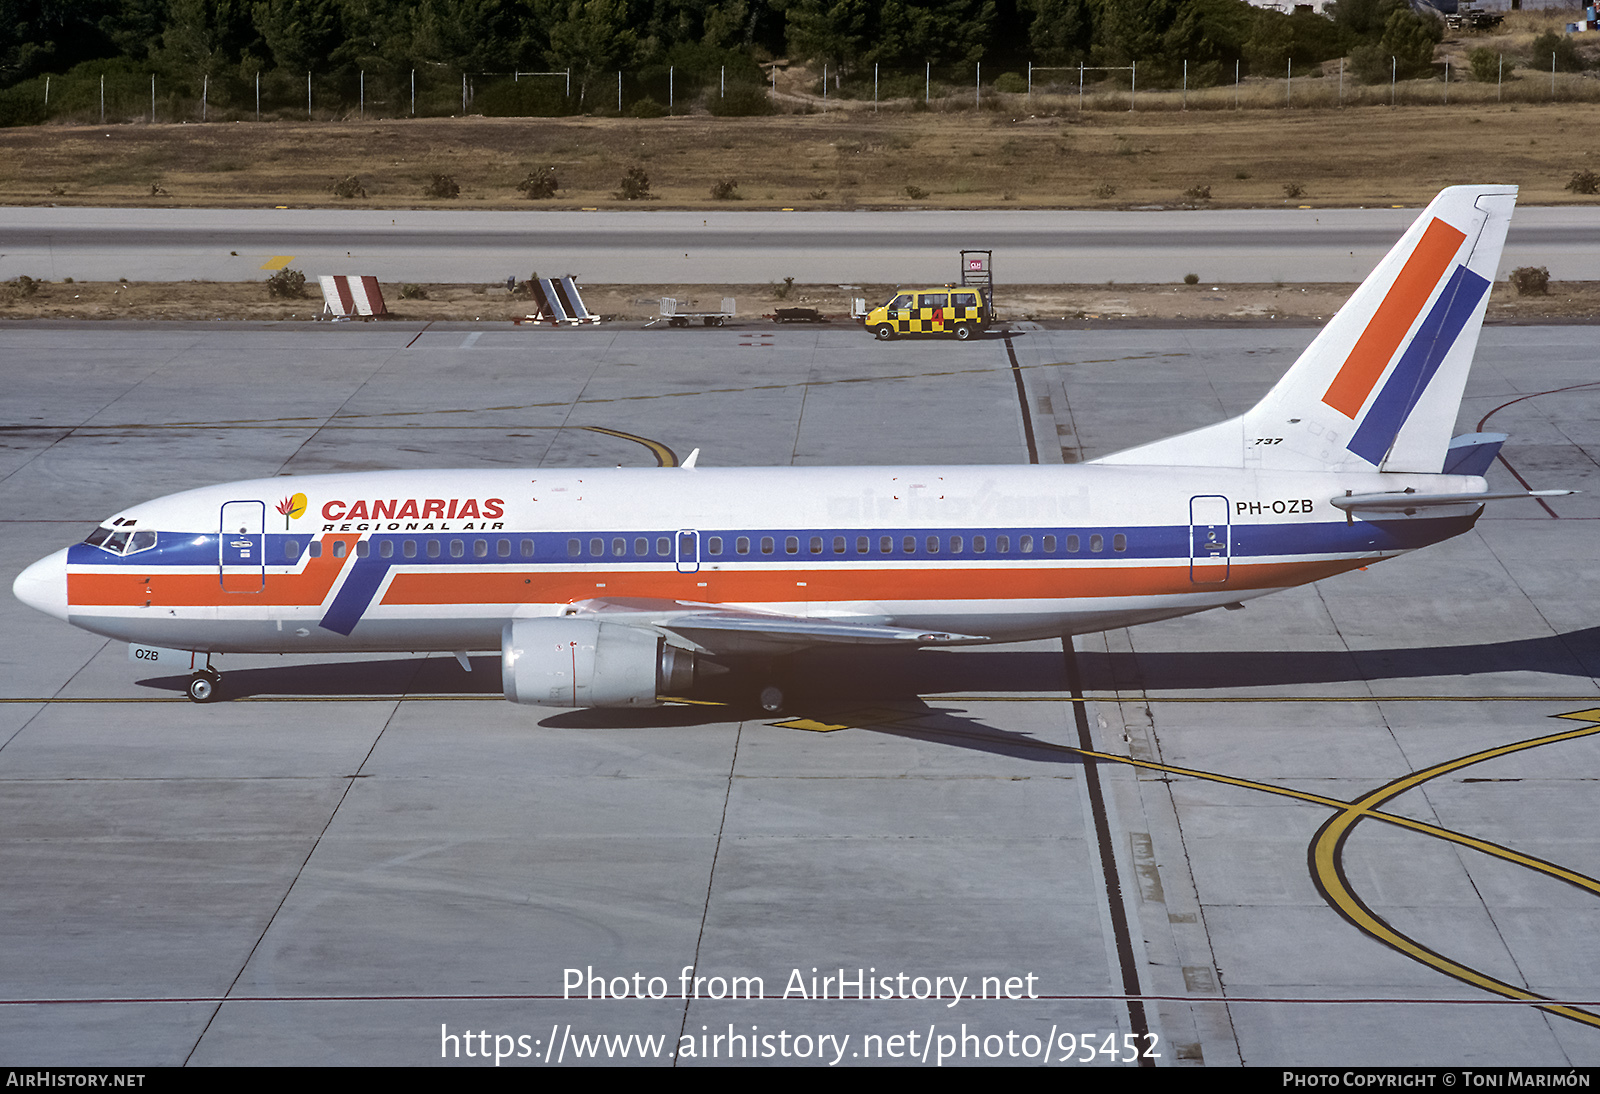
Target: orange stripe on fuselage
column 132, row 588
column 1387, row 329
column 784, row 586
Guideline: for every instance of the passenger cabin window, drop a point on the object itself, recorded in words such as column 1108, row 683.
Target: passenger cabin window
column 363, row 548
column 1119, row 542
column 886, row 545
column 1002, row 544
column 1072, row 545
column 863, row 544
column 664, row 546
column 816, row 545
column 980, row 544
column 742, row 545
column 597, row 547
column 457, row 549
column 619, row 547
column 574, row 548
column 291, row 550
column 955, row 545
column 1097, row 543
column 933, row 300
column 767, row 545
column 1049, row 545
column 1025, row 544
column 340, row 548
column 409, row 548
column 385, row 548
column 714, row 545
column 791, row 545
column 480, row 548
column 527, row 548
column 433, row 548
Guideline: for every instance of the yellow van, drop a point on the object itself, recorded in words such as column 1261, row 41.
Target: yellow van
column 950, row 311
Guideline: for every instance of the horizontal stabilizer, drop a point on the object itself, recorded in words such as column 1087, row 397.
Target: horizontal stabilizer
column 1402, row 501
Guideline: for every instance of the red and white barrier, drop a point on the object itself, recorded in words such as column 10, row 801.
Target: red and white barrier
column 345, row 296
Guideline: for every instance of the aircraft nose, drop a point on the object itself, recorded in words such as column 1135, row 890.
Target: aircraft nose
column 44, row 585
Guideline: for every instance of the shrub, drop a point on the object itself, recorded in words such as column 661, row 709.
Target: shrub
column 725, row 190
column 23, row 286
column 1293, row 190
column 539, row 184
column 348, row 187
column 1191, row 279
column 647, row 108
column 1104, row 190
column 788, row 287
column 741, row 101
column 413, row 292
column 915, row 193
column 817, row 195
column 1486, row 65
column 21, row 106
column 1531, row 280
column 441, row 186
column 1584, row 182
column 287, row 283
column 635, row 185
column 1198, row 192
column 1567, row 58
column 1011, row 83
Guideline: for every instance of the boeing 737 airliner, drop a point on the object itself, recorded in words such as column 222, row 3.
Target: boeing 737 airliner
column 619, row 587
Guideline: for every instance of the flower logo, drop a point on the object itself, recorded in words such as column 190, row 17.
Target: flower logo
column 292, row 508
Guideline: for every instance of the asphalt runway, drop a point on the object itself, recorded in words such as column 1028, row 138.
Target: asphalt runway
column 753, row 247
column 1343, row 826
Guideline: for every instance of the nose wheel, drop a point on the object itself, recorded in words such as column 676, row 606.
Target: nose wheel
column 204, row 685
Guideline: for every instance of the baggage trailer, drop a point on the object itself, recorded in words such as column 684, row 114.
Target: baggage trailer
column 676, row 318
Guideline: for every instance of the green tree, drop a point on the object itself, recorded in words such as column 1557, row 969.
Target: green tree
column 299, row 34
column 1060, row 32
column 831, row 30
column 1409, row 38
column 593, row 39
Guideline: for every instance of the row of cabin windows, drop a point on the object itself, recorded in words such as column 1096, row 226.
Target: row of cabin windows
column 433, row 548
column 1026, row 544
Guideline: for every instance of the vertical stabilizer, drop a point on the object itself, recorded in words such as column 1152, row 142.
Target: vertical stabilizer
column 1380, row 386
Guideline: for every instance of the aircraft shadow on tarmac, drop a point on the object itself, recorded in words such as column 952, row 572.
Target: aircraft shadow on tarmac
column 831, row 678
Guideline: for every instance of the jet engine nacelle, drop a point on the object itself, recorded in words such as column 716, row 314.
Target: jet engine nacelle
column 574, row 662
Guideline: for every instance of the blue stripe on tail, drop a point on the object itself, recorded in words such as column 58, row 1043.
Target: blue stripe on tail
column 1418, row 363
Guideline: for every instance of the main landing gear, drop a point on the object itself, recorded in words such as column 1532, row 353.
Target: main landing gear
column 204, row 685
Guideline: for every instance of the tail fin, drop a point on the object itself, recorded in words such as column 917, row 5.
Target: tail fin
column 1380, row 386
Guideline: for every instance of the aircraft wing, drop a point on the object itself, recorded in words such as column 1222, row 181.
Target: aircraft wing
column 719, row 629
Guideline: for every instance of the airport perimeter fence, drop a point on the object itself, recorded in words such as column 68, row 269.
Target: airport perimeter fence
column 122, row 95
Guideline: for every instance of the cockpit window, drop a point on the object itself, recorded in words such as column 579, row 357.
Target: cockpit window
column 121, row 540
